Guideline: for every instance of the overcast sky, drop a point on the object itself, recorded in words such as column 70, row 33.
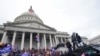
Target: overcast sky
column 80, row 16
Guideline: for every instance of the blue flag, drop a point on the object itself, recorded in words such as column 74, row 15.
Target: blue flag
column 6, row 49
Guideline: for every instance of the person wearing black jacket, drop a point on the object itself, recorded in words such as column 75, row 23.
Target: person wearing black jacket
column 69, row 46
column 79, row 40
column 74, row 40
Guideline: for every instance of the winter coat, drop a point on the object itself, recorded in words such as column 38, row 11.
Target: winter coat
column 78, row 38
column 73, row 37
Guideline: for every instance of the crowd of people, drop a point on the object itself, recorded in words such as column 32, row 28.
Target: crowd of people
column 10, row 50
column 36, row 52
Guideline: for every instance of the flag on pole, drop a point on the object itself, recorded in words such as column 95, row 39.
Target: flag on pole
column 37, row 38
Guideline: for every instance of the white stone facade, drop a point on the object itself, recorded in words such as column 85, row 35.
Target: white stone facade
column 23, row 31
column 95, row 40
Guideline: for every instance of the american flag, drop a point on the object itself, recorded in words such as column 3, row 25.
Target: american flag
column 37, row 38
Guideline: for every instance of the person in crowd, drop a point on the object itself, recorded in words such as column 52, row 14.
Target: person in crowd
column 53, row 51
column 14, row 52
column 79, row 40
column 2, row 45
column 61, row 54
column 25, row 53
column 57, row 53
column 47, row 52
column 11, row 54
column 69, row 46
column 74, row 40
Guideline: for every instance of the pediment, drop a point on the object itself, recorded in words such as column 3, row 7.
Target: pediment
column 35, row 26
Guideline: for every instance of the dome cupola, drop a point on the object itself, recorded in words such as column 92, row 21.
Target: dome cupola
column 28, row 16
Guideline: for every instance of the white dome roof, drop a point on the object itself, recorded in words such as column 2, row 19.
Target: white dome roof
column 28, row 16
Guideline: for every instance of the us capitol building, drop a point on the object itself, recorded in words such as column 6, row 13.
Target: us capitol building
column 23, row 31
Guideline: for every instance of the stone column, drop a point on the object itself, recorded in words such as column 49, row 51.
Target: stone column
column 14, row 37
column 50, row 40
column 6, row 39
column 58, row 40
column 31, row 39
column 45, row 41
column 65, row 39
column 22, row 42
column 55, row 40
column 38, row 42
column 61, row 40
column 4, row 36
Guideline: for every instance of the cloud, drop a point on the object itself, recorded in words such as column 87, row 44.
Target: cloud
column 80, row 16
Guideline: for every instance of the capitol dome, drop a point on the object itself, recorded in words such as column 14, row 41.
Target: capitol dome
column 28, row 16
